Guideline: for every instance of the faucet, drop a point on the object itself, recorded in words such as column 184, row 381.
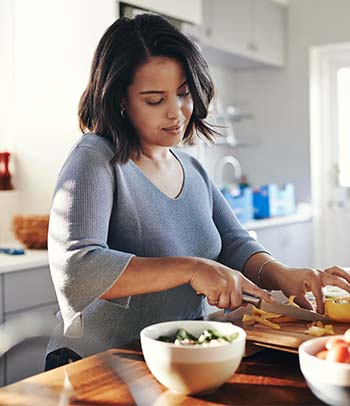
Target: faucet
column 219, row 168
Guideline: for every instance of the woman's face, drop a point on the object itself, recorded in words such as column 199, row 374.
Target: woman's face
column 158, row 102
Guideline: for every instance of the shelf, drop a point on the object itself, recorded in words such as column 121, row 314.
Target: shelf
column 251, row 140
column 303, row 214
column 236, row 123
column 235, row 117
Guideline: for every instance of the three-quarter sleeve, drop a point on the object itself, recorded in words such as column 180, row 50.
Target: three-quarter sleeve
column 237, row 244
column 82, row 265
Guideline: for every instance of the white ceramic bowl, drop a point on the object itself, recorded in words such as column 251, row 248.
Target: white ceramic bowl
column 329, row 381
column 191, row 369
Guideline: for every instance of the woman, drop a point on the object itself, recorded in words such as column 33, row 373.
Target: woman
column 138, row 232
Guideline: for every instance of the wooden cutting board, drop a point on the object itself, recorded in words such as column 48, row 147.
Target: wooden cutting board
column 291, row 334
column 288, row 338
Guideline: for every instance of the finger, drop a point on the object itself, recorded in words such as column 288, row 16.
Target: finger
column 339, row 272
column 338, row 282
column 316, row 288
column 224, row 301
column 235, row 298
column 235, row 295
column 250, row 287
column 302, row 301
column 213, row 302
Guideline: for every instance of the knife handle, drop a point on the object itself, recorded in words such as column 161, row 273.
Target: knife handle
column 251, row 299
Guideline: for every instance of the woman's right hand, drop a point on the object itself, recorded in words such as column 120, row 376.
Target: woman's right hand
column 223, row 286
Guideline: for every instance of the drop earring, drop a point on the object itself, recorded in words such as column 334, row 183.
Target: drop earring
column 122, row 110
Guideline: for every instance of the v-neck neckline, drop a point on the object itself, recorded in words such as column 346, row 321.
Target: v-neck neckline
column 183, row 191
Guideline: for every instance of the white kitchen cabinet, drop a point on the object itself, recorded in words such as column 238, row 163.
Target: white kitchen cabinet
column 28, row 357
column 268, row 32
column 1, row 321
column 22, row 291
column 26, row 289
column 226, row 25
column 244, row 33
column 186, row 10
column 290, row 243
column 29, row 288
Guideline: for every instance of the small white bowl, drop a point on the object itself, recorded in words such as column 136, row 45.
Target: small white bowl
column 192, row 369
column 329, row 381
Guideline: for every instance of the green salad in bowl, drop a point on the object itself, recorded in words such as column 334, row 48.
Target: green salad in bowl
column 207, row 337
column 193, row 356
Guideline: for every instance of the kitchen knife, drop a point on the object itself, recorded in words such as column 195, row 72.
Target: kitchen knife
column 283, row 309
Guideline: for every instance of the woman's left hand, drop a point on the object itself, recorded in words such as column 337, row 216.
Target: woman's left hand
column 299, row 281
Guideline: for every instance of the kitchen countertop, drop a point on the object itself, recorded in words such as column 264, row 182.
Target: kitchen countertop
column 31, row 259
column 302, row 214
column 267, row 377
column 38, row 258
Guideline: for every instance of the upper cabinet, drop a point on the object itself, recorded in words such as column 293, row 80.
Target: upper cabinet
column 268, row 27
column 244, row 33
column 186, row 10
column 233, row 33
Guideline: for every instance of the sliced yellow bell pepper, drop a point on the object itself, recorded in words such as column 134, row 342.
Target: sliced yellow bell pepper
column 338, row 308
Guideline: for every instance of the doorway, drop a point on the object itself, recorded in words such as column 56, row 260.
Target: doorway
column 330, row 153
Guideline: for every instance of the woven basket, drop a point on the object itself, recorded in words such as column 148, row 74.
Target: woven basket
column 31, row 231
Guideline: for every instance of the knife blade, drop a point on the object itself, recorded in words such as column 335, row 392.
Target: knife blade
column 285, row 310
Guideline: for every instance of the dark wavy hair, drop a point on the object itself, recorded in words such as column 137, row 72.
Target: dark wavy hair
column 125, row 46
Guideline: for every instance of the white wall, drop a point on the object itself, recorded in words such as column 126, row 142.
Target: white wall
column 225, row 90
column 51, row 44
column 46, row 48
column 280, row 98
column 6, row 72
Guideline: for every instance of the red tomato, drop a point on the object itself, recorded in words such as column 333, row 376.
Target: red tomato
column 334, row 341
column 347, row 336
column 338, row 353
column 322, row 354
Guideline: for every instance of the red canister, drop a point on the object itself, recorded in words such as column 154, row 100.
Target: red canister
column 5, row 175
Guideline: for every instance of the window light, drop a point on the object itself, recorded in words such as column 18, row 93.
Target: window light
column 343, row 81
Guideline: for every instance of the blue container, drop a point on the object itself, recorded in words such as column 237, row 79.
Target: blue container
column 270, row 201
column 241, row 203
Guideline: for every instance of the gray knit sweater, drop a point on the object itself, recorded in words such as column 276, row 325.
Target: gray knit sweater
column 102, row 215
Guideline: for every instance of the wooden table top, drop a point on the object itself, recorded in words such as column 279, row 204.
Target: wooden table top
column 268, row 377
